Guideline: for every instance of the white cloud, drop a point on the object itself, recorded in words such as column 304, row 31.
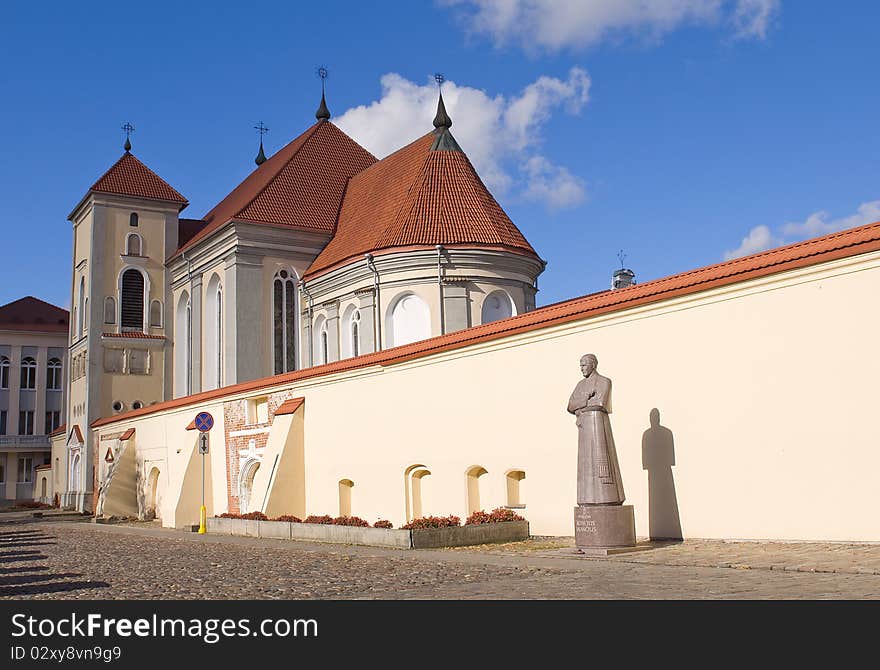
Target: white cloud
column 552, row 184
column 558, row 24
column 497, row 132
column 759, row 239
column 816, row 224
column 751, row 18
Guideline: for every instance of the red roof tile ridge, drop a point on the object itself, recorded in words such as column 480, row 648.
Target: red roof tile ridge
column 173, row 194
column 593, row 304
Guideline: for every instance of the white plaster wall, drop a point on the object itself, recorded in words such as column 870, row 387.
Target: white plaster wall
column 767, row 386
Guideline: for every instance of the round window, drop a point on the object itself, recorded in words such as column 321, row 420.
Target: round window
column 137, row 404
column 117, row 406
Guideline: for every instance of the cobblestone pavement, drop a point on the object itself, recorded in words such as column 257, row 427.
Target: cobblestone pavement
column 68, row 559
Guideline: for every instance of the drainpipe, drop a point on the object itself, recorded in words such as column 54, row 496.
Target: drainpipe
column 439, row 248
column 192, row 316
column 302, row 286
column 377, row 321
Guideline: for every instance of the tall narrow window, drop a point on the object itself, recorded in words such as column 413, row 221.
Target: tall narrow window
column 28, row 373
column 132, row 300
column 2, row 422
column 182, row 346
column 133, row 220
column 110, row 310
column 355, row 333
column 284, row 321
column 53, row 374
column 189, row 343
column 325, row 344
column 52, row 421
column 219, row 336
column 25, row 469
column 4, row 372
column 80, row 327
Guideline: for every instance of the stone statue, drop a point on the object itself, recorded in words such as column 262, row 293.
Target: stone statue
column 601, row 521
column 599, row 480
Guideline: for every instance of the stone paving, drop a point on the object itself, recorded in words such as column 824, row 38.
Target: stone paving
column 54, row 559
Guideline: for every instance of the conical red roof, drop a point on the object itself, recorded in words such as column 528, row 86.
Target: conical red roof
column 419, row 197
column 128, row 176
column 301, row 186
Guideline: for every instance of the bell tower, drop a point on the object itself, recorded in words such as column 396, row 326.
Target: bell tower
column 120, row 337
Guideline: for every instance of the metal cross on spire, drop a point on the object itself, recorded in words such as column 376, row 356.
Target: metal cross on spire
column 621, row 257
column 129, row 129
column 323, row 113
column 261, row 157
column 439, row 78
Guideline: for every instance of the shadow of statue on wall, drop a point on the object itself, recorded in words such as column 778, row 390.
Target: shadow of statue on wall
column 658, row 457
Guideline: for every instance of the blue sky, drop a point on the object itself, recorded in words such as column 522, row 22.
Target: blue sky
column 673, row 135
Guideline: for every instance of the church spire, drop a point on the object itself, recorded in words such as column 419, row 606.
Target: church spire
column 323, row 113
column 129, row 129
column 442, row 121
column 261, row 157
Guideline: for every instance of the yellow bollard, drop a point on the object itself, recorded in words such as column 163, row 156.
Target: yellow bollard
column 202, row 515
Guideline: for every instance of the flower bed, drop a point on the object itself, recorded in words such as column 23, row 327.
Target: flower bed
column 422, row 533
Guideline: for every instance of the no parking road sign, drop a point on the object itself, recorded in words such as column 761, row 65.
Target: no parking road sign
column 204, row 422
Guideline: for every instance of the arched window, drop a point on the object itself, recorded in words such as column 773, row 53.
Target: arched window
column 473, row 475
column 409, row 320
column 131, row 300
column 284, row 308
column 53, row 374
column 213, row 336
column 356, row 334
column 28, row 373
column 156, row 314
column 134, row 244
column 80, row 326
column 110, row 310
column 4, row 372
column 514, row 495
column 417, row 492
column 325, row 344
column 133, row 220
column 246, row 486
column 183, row 346
column 345, row 486
column 497, row 305
column 75, row 474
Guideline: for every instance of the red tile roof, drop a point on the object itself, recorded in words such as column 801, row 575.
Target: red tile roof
column 58, row 431
column 803, row 254
column 78, row 433
column 301, row 186
column 289, row 406
column 187, row 229
column 128, row 176
column 126, row 435
column 418, row 197
column 32, row 314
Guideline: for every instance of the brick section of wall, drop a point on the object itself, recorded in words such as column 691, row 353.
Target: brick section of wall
column 235, row 419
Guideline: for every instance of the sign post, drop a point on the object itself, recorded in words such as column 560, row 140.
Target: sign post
column 204, row 422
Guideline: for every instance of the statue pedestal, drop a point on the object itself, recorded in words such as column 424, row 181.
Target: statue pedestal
column 598, row 528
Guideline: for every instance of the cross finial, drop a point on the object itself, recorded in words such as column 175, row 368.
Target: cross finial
column 621, row 257
column 261, row 156
column 323, row 113
column 129, row 129
column 439, row 78
column 441, row 120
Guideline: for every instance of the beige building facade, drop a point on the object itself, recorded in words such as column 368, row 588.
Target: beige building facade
column 722, row 418
column 33, row 376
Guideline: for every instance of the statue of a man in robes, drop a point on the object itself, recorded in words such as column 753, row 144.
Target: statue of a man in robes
column 598, row 478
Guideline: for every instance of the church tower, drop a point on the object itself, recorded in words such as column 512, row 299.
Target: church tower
column 120, row 334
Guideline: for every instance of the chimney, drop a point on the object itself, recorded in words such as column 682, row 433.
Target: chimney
column 622, row 278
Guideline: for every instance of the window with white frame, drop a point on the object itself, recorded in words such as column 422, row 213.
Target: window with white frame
column 28, row 373
column 284, row 301
column 53, row 374
column 26, row 422
column 80, row 328
column 132, row 300
column 325, row 344
column 25, row 469
column 4, row 372
column 355, row 333
column 156, row 314
column 53, row 420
